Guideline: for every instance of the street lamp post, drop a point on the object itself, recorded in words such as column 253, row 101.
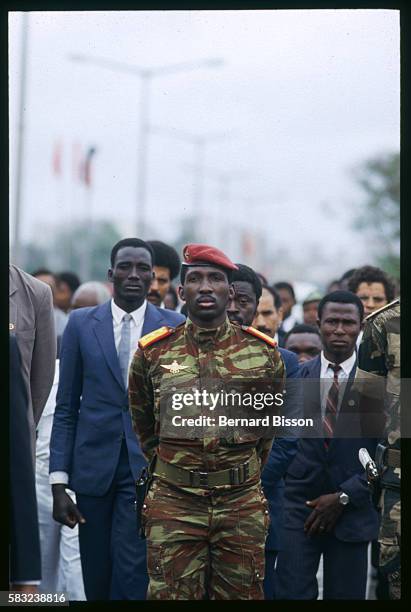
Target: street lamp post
column 200, row 142
column 20, row 140
column 145, row 74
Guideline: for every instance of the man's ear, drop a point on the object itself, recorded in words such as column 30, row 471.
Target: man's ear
column 231, row 292
column 280, row 313
column 180, row 291
column 110, row 275
column 318, row 323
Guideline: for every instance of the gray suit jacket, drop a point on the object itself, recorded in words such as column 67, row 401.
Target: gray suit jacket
column 31, row 319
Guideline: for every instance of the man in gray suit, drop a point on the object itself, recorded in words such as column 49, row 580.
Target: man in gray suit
column 31, row 319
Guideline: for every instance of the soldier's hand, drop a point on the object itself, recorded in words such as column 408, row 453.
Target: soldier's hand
column 326, row 512
column 65, row 510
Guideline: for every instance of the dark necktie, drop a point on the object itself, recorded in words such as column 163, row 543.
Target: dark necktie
column 331, row 407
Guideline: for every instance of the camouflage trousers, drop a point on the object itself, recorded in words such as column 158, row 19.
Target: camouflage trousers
column 390, row 538
column 205, row 544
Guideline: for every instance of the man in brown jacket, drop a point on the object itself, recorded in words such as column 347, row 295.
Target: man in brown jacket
column 31, row 319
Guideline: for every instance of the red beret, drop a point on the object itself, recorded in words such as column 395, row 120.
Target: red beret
column 205, row 255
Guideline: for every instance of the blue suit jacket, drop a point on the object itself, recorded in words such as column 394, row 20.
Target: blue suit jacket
column 92, row 414
column 282, row 453
column 316, row 470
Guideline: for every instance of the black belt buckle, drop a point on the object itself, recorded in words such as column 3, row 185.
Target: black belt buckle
column 198, row 479
column 235, row 476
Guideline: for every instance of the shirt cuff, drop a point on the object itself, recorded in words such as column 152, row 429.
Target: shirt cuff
column 58, row 478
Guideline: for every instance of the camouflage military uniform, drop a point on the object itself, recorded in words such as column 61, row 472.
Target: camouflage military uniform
column 379, row 356
column 202, row 542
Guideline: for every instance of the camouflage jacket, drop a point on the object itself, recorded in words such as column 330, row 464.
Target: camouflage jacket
column 379, row 357
column 190, row 358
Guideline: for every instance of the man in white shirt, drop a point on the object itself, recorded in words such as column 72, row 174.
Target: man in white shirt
column 93, row 448
column 60, row 554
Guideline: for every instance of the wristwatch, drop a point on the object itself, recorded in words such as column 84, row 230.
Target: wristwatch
column 344, row 499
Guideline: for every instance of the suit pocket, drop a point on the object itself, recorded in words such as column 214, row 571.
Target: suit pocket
column 297, row 468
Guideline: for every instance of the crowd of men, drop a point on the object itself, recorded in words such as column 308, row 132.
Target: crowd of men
column 115, row 510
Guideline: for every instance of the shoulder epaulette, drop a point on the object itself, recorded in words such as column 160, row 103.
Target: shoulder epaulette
column 154, row 336
column 373, row 314
column 255, row 332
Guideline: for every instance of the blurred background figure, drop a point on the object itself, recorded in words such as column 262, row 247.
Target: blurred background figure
column 288, row 301
column 60, row 317
column 310, row 307
column 90, row 294
column 166, row 267
column 171, row 299
column 25, row 562
column 66, row 284
column 373, row 286
column 269, row 313
column 333, row 285
column 343, row 282
column 304, row 341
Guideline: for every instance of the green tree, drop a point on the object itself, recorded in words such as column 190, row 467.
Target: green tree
column 379, row 212
column 80, row 248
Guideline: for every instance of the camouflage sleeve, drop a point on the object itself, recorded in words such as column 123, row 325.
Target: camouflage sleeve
column 372, row 348
column 263, row 450
column 141, row 402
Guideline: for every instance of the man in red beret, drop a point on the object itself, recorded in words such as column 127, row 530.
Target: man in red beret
column 204, row 515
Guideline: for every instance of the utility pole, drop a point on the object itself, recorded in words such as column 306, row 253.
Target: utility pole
column 20, row 141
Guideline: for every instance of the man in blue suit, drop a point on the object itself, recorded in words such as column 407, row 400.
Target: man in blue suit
column 93, row 448
column 242, row 310
column 328, row 507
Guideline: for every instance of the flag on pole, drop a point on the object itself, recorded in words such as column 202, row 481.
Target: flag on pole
column 87, row 166
column 77, row 162
column 57, row 158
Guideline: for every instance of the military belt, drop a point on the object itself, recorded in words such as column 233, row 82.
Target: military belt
column 237, row 475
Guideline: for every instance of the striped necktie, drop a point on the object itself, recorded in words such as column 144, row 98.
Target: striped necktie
column 331, row 407
column 124, row 348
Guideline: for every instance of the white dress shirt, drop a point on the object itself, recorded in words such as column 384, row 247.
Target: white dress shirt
column 327, row 376
column 289, row 322
column 136, row 327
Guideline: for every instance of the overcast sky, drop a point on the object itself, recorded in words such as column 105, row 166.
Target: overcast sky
column 302, row 97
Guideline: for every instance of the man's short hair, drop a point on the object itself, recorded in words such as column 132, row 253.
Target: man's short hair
column 42, row 272
column 275, row 294
column 347, row 274
column 285, row 285
column 246, row 274
column 302, row 328
column 130, row 242
column 371, row 274
column 185, row 269
column 165, row 256
column 71, row 279
column 341, row 297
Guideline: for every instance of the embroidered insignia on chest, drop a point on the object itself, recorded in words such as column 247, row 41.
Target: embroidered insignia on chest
column 174, row 368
